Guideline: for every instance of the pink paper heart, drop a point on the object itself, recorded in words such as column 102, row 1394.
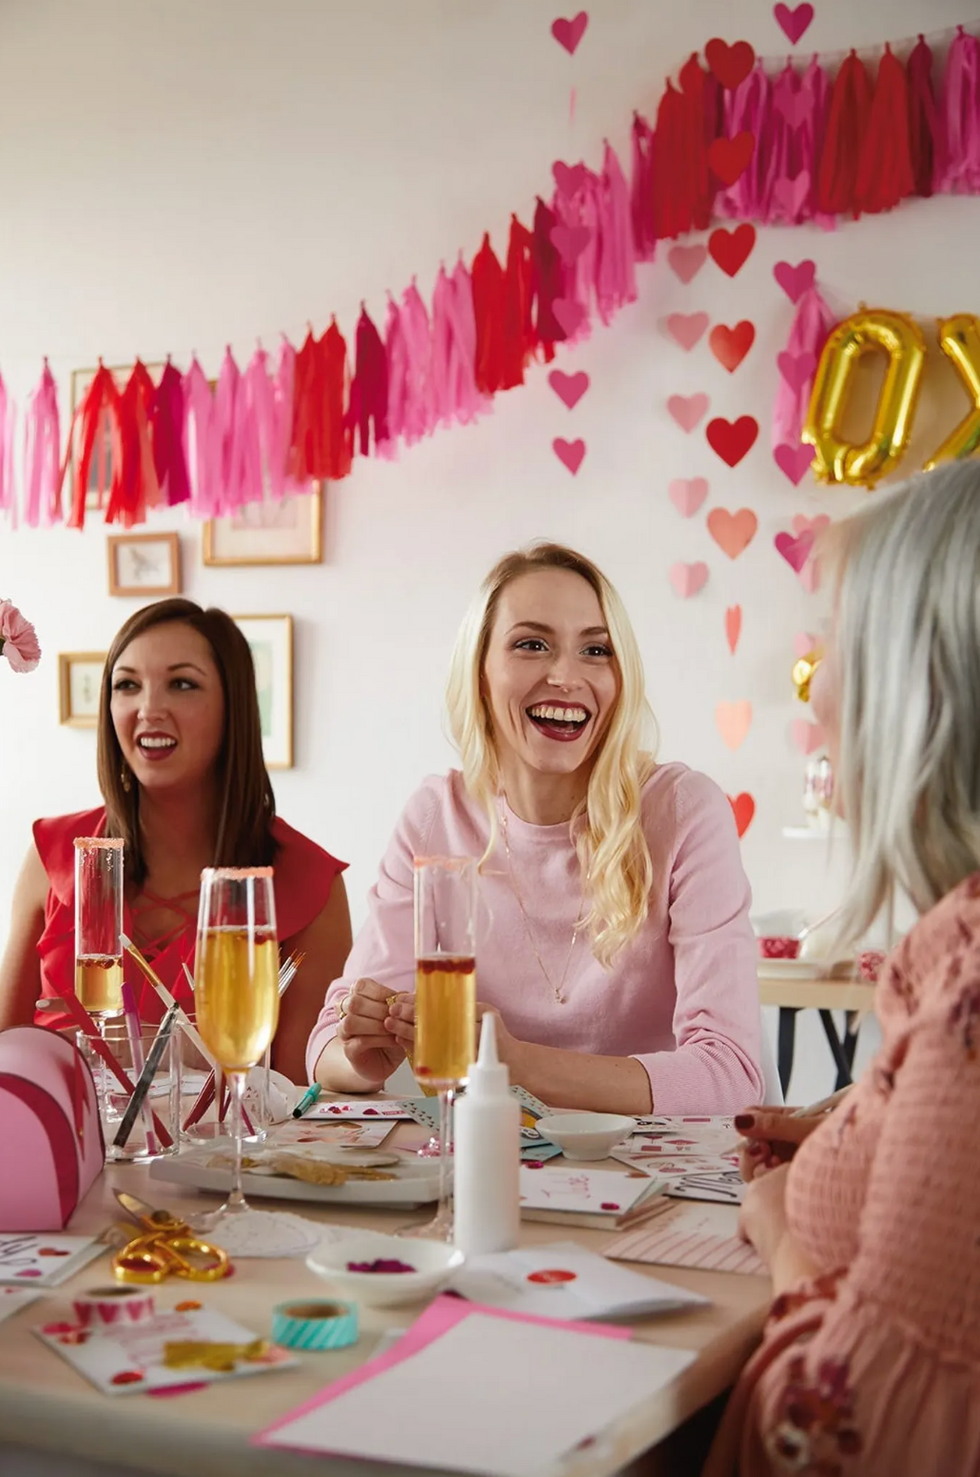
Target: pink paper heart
column 688, row 579
column 569, row 387
column 790, row 194
column 794, row 23
column 568, row 33
column 686, row 261
column 794, row 107
column 802, row 524
column 568, row 177
column 687, row 495
column 795, row 281
column 733, row 721
column 803, row 644
column 796, row 369
column 733, row 626
column 806, row 736
column 687, row 328
column 570, row 314
column 809, row 576
column 688, row 410
column 570, row 241
column 570, row 453
column 794, row 461
column 796, row 551
column 732, row 532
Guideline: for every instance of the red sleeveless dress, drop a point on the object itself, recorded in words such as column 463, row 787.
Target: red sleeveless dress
column 304, row 875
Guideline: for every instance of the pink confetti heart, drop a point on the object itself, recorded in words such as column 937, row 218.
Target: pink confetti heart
column 687, row 328
column 688, row 410
column 796, row 551
column 568, row 177
column 568, row 33
column 686, row 261
column 571, row 454
column 793, row 23
column 609, row 1205
column 794, row 107
column 733, row 627
column 795, row 281
column 790, row 194
column 794, row 461
column 569, row 387
column 570, row 314
column 30, row 1272
column 687, row 494
column 816, row 526
column 807, row 736
column 803, row 644
column 796, row 369
column 570, row 241
column 733, row 721
column 688, row 579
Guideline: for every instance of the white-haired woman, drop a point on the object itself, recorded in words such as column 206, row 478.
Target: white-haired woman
column 870, row 1363
column 617, row 947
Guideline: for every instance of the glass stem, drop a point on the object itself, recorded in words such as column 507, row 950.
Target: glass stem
column 446, row 1097
column 236, row 1200
column 103, row 1088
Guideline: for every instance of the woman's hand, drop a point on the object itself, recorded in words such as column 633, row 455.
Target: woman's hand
column 772, row 1136
column 762, row 1218
column 401, row 1023
column 366, row 1030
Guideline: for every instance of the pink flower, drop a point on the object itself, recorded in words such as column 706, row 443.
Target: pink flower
column 18, row 639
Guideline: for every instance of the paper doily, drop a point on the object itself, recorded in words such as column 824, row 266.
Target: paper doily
column 270, row 1233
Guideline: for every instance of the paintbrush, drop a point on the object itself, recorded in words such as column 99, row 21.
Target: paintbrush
column 146, row 1077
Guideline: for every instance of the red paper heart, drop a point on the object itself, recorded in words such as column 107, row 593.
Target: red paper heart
column 729, row 157
column 687, row 496
column 571, row 454
column 568, row 177
column 796, row 369
column 570, row 314
column 730, row 64
column 570, row 241
column 686, row 261
column 732, row 440
column 794, row 461
column 568, row 33
column 743, row 809
column 796, row 551
column 688, row 410
column 730, row 345
column 686, row 328
column 795, row 281
column 732, row 249
column 733, row 626
column 569, row 387
column 794, row 23
column 732, row 532
column 688, row 579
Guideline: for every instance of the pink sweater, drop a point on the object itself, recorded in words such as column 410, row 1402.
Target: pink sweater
column 682, row 998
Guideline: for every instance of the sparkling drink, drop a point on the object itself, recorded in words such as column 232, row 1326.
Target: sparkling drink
column 445, row 1018
column 236, row 989
column 98, row 983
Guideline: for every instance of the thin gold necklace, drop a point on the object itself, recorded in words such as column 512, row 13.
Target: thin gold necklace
column 556, row 990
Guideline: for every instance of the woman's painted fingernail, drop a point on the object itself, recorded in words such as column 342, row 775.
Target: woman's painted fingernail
column 744, row 1120
column 756, row 1150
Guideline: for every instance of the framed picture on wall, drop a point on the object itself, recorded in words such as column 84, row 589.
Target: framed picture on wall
column 144, row 564
column 271, row 640
column 286, row 532
column 79, row 684
column 100, row 471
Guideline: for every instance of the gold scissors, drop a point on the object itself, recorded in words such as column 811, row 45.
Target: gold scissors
column 165, row 1247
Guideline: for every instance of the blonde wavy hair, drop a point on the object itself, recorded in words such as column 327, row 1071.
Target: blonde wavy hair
column 606, row 826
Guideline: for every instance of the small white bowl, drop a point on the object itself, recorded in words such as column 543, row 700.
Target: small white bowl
column 586, row 1135
column 434, row 1262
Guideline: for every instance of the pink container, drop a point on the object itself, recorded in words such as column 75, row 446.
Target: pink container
column 51, row 1145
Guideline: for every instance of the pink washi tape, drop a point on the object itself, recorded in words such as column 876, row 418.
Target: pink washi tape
column 104, row 1307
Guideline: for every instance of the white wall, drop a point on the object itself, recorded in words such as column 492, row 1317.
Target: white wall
column 174, row 178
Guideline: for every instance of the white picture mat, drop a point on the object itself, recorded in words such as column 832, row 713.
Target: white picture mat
column 467, row 1401
column 271, row 640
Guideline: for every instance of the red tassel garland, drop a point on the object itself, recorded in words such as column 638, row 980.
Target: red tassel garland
column 489, row 302
column 136, row 487
column 885, row 171
column 321, row 444
column 847, row 126
column 548, row 279
column 97, row 421
column 641, row 191
column 518, row 323
column 169, row 456
column 925, row 125
column 368, row 409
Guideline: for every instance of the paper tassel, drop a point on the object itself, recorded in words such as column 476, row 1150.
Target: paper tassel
column 960, row 111
column 335, row 376
column 674, row 188
column 926, row 134
column 368, row 409
column 42, row 453
column 519, row 338
column 95, row 430
column 749, row 110
column 702, row 101
column 785, row 193
column 8, row 426
column 815, row 95
column 169, row 455
column 548, row 279
column 251, row 422
column 615, row 278
column 578, row 213
column 847, row 124
column 203, row 458
column 489, row 303
column 454, row 349
column 641, row 191
column 136, row 485
column 396, row 354
column 276, row 431
column 811, row 327
column 885, row 172
column 321, row 442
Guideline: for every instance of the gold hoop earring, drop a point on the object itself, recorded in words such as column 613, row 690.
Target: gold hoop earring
column 125, row 778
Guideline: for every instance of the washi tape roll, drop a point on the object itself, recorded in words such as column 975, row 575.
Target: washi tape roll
column 314, row 1325
column 105, row 1306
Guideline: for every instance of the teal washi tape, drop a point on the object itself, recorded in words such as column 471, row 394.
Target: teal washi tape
column 314, row 1325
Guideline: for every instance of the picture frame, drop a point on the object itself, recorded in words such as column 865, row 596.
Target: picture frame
column 101, row 468
column 270, row 638
column 286, row 532
column 144, row 563
column 79, row 686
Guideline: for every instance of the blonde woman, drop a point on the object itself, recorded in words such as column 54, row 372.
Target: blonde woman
column 870, row 1364
column 617, row 947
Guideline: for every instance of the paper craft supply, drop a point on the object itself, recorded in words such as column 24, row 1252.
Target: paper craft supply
column 333, row 1135
column 585, row 1197
column 134, row 1031
column 153, row 1059
column 687, row 1236
column 724, row 1186
column 105, row 1307
column 314, row 1325
column 581, row 1378
column 12, row 1299
column 126, row 1360
column 356, row 1108
column 638, row 1158
column 565, row 1281
column 45, row 1259
column 673, row 1136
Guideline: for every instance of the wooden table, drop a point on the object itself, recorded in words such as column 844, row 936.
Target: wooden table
column 854, row 997
column 46, row 1406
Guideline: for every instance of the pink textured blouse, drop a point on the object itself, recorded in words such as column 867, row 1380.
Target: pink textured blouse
column 873, row 1369
column 682, row 997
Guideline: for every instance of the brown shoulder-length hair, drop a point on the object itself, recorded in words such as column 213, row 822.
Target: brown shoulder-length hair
column 246, row 805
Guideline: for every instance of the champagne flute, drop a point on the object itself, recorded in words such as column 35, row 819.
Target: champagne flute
column 236, row 988
column 445, row 1000
column 98, row 936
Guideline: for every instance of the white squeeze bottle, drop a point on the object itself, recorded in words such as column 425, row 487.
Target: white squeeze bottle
column 486, row 1157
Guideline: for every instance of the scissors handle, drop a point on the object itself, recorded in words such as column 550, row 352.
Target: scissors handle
column 169, row 1252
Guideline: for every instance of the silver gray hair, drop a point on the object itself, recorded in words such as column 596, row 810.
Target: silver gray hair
column 908, row 649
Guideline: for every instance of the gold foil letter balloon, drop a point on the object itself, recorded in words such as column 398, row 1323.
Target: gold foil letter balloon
column 867, row 332
column 959, row 339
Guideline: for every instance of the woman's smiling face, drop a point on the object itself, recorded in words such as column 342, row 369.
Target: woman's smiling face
column 550, row 676
column 168, row 706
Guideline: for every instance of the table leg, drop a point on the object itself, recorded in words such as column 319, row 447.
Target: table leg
column 837, row 1051
column 785, row 1043
column 853, row 1019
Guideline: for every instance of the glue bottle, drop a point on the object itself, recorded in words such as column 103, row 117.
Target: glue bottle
column 486, row 1157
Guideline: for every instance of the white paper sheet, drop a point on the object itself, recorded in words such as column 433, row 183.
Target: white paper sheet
column 565, row 1281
